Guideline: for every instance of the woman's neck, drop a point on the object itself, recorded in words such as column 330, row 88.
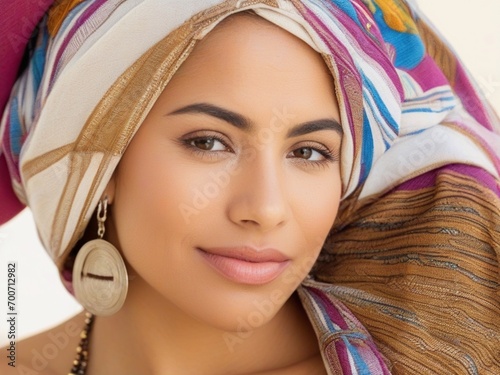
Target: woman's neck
column 150, row 336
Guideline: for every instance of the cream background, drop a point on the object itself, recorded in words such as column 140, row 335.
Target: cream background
column 42, row 301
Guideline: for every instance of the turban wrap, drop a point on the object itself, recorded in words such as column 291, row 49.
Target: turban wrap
column 413, row 255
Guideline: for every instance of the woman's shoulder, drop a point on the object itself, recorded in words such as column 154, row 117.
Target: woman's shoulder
column 50, row 352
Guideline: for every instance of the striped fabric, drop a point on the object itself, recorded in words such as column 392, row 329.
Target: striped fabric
column 346, row 346
column 414, row 252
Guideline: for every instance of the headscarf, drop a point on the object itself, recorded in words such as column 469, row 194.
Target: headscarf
column 414, row 252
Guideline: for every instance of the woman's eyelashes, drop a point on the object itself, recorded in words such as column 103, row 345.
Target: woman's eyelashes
column 207, row 146
column 213, row 146
column 211, row 143
column 313, row 155
column 312, row 152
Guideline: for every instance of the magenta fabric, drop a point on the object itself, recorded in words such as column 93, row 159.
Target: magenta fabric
column 19, row 19
column 10, row 206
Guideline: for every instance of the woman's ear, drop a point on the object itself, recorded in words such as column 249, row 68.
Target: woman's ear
column 109, row 192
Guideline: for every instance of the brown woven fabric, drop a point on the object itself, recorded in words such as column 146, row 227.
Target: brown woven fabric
column 420, row 269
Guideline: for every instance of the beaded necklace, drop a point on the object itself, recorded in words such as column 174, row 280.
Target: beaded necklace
column 82, row 353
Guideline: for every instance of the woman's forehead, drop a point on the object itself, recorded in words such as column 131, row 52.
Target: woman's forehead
column 245, row 35
column 253, row 72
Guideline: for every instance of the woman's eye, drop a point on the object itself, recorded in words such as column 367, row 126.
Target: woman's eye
column 208, row 144
column 308, row 153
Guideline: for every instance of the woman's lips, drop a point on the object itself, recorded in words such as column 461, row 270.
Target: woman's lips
column 246, row 265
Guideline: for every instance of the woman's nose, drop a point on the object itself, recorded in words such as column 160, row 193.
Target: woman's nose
column 259, row 200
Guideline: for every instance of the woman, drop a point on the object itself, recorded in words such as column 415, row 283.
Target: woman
column 336, row 149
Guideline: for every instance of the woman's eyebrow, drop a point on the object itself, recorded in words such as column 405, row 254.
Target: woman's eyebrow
column 314, row 126
column 243, row 123
column 233, row 118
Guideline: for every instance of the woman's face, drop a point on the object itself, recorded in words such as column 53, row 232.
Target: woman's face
column 225, row 196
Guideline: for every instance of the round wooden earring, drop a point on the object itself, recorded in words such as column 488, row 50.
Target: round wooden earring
column 100, row 278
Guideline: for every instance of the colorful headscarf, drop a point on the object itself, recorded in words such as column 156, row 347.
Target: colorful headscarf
column 414, row 253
